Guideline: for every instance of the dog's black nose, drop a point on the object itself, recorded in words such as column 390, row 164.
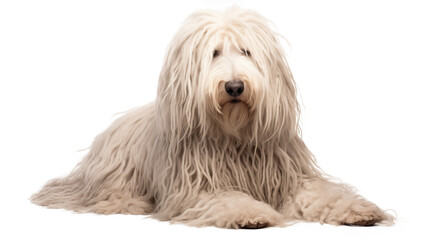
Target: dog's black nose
column 234, row 88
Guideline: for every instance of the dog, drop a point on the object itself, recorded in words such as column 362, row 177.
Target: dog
column 221, row 144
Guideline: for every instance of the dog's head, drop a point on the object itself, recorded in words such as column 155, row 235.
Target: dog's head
column 226, row 73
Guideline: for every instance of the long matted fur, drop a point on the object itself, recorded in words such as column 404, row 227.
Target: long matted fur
column 200, row 156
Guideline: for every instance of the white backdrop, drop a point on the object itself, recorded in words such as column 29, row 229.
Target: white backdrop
column 66, row 67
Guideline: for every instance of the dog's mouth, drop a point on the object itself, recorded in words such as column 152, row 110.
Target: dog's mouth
column 236, row 102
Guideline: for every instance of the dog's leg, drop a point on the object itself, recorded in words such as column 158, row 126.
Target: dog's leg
column 229, row 209
column 72, row 193
column 327, row 202
column 135, row 206
column 110, row 178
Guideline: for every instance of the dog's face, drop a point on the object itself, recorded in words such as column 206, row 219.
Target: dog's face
column 232, row 84
column 226, row 72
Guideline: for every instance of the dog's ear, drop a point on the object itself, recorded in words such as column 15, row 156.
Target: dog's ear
column 278, row 109
column 179, row 79
column 281, row 108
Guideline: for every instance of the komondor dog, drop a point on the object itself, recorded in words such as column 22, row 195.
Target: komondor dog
column 220, row 145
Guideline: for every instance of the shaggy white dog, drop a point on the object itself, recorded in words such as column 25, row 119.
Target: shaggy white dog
column 220, row 145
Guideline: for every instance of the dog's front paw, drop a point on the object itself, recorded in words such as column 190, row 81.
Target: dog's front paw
column 362, row 220
column 363, row 223
column 230, row 210
column 363, row 213
column 255, row 223
column 255, row 219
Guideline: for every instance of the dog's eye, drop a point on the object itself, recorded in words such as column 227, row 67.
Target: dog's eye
column 246, row 52
column 216, row 53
